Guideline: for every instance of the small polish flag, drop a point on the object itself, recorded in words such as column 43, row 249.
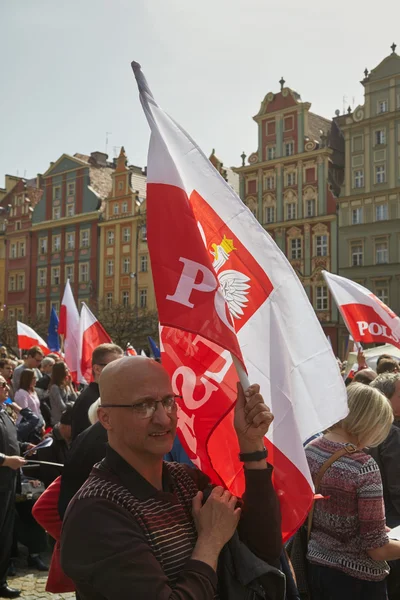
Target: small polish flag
column 27, row 337
column 130, row 350
column 92, row 334
column 68, row 327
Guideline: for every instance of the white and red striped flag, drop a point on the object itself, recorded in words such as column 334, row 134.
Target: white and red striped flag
column 130, row 350
column 92, row 334
column 68, row 328
column 27, row 337
column 367, row 318
column 209, row 254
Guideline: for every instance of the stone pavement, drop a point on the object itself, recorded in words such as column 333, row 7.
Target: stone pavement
column 33, row 583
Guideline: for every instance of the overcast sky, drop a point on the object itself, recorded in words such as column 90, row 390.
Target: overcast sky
column 65, row 76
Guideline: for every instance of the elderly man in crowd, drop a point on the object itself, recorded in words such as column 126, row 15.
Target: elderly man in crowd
column 147, row 531
column 387, row 454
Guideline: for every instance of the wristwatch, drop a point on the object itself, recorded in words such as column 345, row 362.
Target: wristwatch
column 2, row 459
column 253, row 456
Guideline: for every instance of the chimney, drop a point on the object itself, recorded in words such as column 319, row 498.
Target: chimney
column 99, row 158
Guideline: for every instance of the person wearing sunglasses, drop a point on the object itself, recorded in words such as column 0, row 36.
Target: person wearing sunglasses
column 148, row 530
column 10, row 463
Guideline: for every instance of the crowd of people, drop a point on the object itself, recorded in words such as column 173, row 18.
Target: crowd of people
column 129, row 514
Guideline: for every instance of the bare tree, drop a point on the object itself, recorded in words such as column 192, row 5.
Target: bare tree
column 125, row 325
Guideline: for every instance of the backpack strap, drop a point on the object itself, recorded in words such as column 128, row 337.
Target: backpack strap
column 348, row 449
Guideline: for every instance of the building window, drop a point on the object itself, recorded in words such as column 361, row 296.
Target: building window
column 120, row 185
column 56, row 213
column 143, row 230
column 356, row 216
column 310, row 208
column 42, row 245
column 71, row 189
column 142, row 298
column 381, row 212
column 41, row 309
column 83, row 273
column 126, row 234
column 289, row 148
column 55, row 275
column 382, row 291
column 381, row 252
column 321, row 297
column 125, row 299
column 110, row 238
column 69, row 273
column 42, row 277
column 270, row 214
column 21, row 282
column 20, row 314
column 70, row 209
column 380, row 174
column 110, row 268
column 70, row 239
column 116, row 209
column 290, row 211
column 358, row 178
column 57, row 193
column 143, row 263
column 13, row 250
column 85, row 238
column 356, row 255
column 17, row 225
column 288, row 124
column 109, row 299
column 56, row 306
column 11, row 313
column 56, row 243
column 124, row 207
column 271, row 152
column 383, row 106
column 295, row 249
column 291, row 178
column 380, row 137
column 11, row 283
column 270, row 183
column 126, row 266
column 321, row 245
column 22, row 249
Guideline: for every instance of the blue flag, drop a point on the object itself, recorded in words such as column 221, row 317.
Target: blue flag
column 154, row 348
column 53, row 341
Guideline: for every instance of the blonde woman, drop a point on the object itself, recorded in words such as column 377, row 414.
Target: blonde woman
column 349, row 545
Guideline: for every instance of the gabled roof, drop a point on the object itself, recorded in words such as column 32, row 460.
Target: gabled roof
column 389, row 67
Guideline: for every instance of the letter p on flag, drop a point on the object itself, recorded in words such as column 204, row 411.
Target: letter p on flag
column 187, row 282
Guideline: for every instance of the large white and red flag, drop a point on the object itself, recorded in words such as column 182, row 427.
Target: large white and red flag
column 225, row 290
column 68, row 328
column 92, row 334
column 367, row 318
column 27, row 337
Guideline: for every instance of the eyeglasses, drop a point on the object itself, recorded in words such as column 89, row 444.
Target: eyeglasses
column 147, row 408
column 3, row 384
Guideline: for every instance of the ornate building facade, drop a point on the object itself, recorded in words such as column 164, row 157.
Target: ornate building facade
column 65, row 230
column 124, row 270
column 290, row 184
column 369, row 203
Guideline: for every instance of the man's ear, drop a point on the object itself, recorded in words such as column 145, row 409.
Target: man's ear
column 104, row 415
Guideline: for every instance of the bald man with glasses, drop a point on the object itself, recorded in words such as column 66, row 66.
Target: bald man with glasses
column 138, row 527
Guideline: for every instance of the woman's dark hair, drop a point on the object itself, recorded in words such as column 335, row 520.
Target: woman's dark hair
column 58, row 374
column 27, row 376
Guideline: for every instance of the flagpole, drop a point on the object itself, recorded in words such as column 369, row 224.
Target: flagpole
column 243, row 378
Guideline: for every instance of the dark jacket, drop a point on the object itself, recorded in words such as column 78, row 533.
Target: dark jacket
column 44, row 382
column 80, row 419
column 29, row 429
column 387, row 455
column 10, row 447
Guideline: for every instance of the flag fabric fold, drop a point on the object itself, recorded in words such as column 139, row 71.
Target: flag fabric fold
column 27, row 337
column 367, row 318
column 154, row 348
column 53, row 340
column 224, row 289
column 68, row 328
column 92, row 334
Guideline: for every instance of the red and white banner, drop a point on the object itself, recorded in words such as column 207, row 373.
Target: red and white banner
column 130, row 350
column 367, row 318
column 223, row 287
column 27, row 337
column 68, row 327
column 92, row 334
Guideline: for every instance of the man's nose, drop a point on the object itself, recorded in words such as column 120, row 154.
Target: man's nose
column 161, row 416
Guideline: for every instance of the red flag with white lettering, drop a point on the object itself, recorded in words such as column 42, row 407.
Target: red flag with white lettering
column 224, row 288
column 367, row 318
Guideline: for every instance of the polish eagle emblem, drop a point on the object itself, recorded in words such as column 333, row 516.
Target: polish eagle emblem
column 234, row 285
